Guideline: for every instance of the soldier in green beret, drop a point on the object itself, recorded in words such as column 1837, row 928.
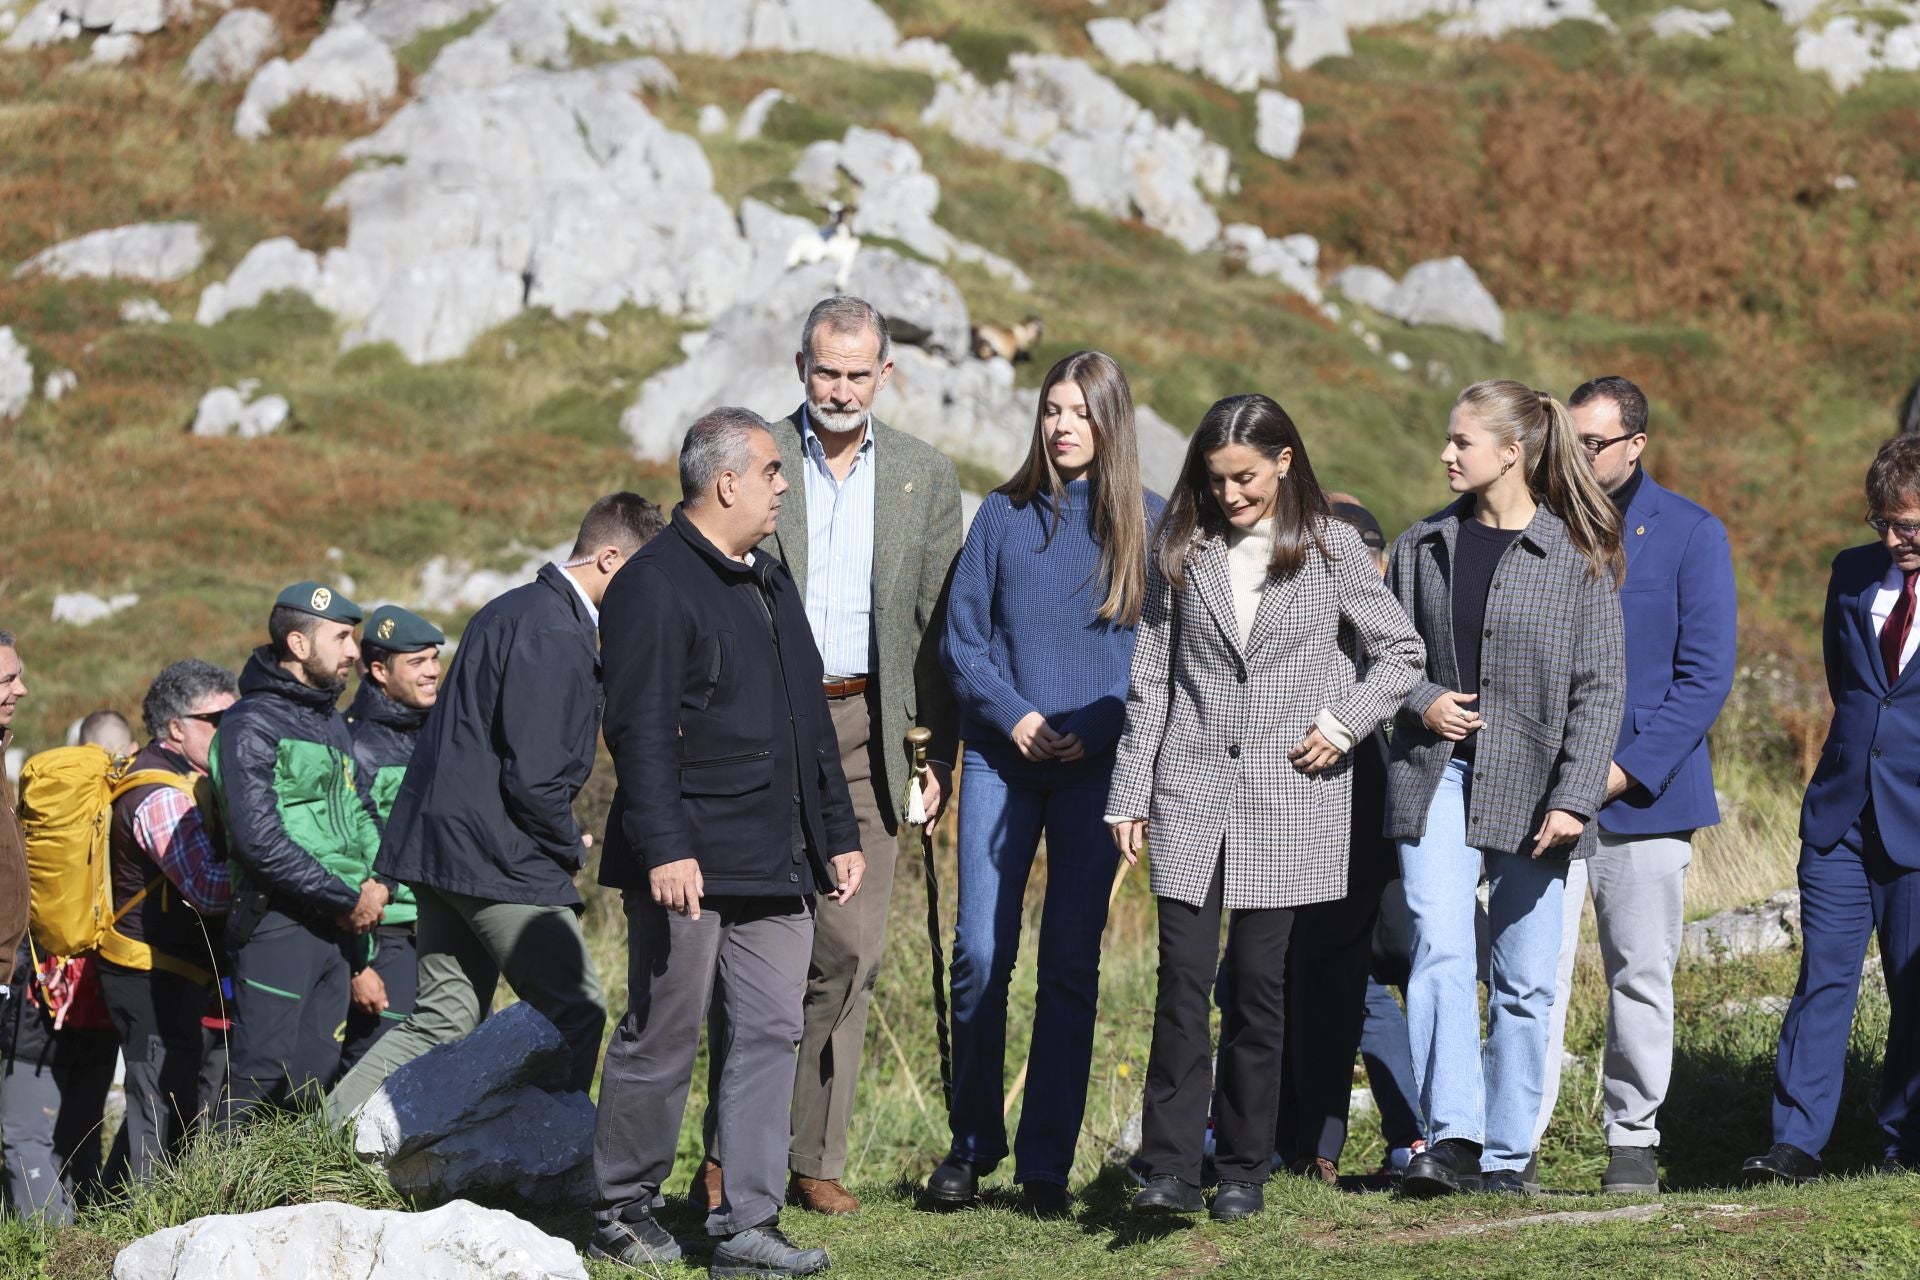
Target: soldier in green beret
column 302, row 834
column 399, row 679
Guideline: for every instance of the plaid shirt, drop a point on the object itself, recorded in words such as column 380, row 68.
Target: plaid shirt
column 168, row 829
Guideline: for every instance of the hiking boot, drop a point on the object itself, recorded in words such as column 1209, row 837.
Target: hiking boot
column 1449, row 1166
column 706, row 1190
column 821, row 1195
column 1783, row 1162
column 1045, row 1199
column 764, row 1251
column 1165, row 1193
column 1504, row 1182
column 1631, row 1171
column 1530, row 1176
column 1236, row 1200
column 638, row 1242
column 956, row 1181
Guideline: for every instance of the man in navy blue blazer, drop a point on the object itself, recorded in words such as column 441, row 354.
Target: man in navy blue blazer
column 1860, row 842
column 1680, row 609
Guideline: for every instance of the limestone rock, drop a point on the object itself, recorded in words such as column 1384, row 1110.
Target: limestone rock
column 232, row 411
column 153, row 251
column 234, row 49
column 754, row 118
column 347, row 64
column 1368, row 286
column 1115, row 156
column 1447, row 293
column 58, row 384
column 144, row 311
column 457, row 1241
column 1490, row 19
column 433, row 307
column 713, row 120
column 1279, row 121
column 1292, row 260
column 52, row 21
column 1671, row 24
column 16, row 375
column 925, row 54
column 1757, row 929
column 521, row 33
column 397, row 22
column 1795, row 13
column 1844, row 51
column 855, row 30
column 1228, row 41
column 83, row 608
column 112, row 50
column 452, row 586
column 1316, row 32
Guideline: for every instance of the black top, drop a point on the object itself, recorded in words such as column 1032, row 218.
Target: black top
column 1623, row 496
column 1476, row 555
column 486, row 808
column 721, row 737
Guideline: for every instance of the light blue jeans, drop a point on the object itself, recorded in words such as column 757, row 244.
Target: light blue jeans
column 1490, row 1094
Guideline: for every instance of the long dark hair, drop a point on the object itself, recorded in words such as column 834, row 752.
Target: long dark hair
column 1119, row 519
column 1192, row 514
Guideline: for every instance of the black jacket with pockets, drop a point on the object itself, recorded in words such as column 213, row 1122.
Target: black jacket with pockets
column 718, row 725
column 486, row 808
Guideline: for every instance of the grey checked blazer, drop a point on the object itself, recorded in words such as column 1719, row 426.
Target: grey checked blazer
column 1552, row 688
column 1204, row 756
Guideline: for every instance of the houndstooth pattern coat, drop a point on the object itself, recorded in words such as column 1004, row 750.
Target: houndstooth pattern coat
column 1209, row 725
column 1552, row 688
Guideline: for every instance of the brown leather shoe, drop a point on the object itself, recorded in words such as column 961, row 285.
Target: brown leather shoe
column 706, row 1190
column 1318, row 1168
column 821, row 1195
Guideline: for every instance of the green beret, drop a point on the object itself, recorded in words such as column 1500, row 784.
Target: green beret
column 321, row 601
column 398, row 631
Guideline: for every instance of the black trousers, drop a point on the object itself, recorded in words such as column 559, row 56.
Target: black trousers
column 398, row 964
column 1252, row 1041
column 290, row 1013
column 157, row 1015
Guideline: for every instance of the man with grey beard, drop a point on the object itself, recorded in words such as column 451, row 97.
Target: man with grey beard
column 869, row 532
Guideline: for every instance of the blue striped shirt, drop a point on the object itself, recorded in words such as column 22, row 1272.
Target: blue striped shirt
column 839, row 554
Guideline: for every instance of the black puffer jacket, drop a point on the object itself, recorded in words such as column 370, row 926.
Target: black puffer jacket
column 487, row 805
column 297, row 823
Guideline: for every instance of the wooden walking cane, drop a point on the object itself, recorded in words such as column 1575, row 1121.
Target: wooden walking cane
column 918, row 738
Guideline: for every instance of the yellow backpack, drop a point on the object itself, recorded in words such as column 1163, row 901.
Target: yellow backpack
column 66, row 814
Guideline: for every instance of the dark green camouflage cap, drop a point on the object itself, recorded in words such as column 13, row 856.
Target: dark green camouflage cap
column 320, row 600
column 398, row 630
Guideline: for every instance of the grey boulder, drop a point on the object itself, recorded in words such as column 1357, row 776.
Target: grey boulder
column 16, row 375
column 1758, row 929
column 157, row 252
column 234, row 49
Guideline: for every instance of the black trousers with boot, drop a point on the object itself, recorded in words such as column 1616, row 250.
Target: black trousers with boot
column 1252, row 1043
column 158, row 1017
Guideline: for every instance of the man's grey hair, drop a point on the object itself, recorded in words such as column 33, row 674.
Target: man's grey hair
column 177, row 690
column 720, row 441
column 847, row 315
column 6, row 639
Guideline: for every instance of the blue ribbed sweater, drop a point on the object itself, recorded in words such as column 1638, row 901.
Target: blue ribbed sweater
column 1022, row 627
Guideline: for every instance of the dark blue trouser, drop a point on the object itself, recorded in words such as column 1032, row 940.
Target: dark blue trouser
column 1387, row 1051
column 1848, row 893
column 1004, row 809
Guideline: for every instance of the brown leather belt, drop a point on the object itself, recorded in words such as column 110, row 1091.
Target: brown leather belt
column 851, row 688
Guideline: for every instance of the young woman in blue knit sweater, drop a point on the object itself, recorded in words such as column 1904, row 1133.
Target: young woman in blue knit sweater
column 1039, row 640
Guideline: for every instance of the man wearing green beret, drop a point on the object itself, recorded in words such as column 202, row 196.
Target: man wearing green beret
column 399, row 679
column 302, row 834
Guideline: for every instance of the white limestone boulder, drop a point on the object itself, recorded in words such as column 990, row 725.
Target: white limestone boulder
column 398, row 22
column 347, row 64
column 1294, row 261
column 1229, row 42
column 1446, row 292
column 234, row 49
column 333, row 1241
column 83, row 608
column 234, row 411
column 1368, row 286
column 1757, row 929
column 157, row 252
column 16, row 375
column 144, row 311
column 1693, row 24
column 1278, row 124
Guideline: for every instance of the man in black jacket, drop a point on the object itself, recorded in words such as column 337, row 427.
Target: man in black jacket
column 483, row 828
column 731, row 814
column 399, row 679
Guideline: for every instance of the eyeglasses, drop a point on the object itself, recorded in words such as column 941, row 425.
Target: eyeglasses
column 1595, row 448
column 1904, row 531
column 210, row 717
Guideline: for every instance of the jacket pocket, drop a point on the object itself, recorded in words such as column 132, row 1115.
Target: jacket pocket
column 1536, row 732
column 736, row 775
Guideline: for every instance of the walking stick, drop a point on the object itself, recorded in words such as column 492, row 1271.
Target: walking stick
column 918, row 738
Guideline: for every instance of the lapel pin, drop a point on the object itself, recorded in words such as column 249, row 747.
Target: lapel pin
column 908, row 487
column 1640, row 531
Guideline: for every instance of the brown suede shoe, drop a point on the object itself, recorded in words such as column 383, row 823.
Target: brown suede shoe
column 1318, row 1168
column 821, row 1195
column 705, row 1191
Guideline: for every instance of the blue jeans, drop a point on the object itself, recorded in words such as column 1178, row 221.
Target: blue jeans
column 1005, row 805
column 1488, row 1095
column 1388, row 1055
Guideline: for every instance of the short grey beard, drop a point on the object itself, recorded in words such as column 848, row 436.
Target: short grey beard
column 836, row 420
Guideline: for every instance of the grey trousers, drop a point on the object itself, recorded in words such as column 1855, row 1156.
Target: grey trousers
column 747, row 956
column 466, row 945
column 1639, row 897
column 847, row 943
column 50, row 1134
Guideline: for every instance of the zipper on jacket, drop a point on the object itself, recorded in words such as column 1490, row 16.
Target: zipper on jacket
column 718, row 760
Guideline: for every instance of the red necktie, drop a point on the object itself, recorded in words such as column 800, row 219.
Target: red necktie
column 1893, row 636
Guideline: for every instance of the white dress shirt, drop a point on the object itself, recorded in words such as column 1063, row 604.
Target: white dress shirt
column 1885, row 596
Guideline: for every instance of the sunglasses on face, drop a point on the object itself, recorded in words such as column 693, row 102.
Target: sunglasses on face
column 1904, row 531
column 210, row 717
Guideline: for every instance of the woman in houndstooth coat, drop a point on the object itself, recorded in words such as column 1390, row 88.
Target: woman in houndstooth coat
column 1244, row 702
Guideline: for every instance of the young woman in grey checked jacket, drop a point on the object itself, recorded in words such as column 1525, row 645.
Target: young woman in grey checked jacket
column 1243, row 704
column 1499, row 762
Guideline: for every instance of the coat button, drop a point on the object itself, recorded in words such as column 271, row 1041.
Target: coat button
column 1241, row 675
column 1886, row 702
column 1233, row 752
column 796, row 797
column 1876, row 753
column 793, row 877
column 1489, row 633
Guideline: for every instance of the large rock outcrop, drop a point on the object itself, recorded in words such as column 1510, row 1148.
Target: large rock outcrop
column 1115, row 155
column 1758, row 929
column 1444, row 292
column 1228, row 41
column 52, row 21
column 1319, row 29
column 347, row 64
column 332, row 1241
column 156, row 252
column 489, row 1115
column 234, row 49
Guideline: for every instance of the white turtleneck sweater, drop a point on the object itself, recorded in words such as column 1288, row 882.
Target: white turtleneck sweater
column 1249, row 551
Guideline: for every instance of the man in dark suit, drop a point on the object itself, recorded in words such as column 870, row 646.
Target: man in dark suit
column 869, row 530
column 1860, row 842
column 483, row 828
column 1681, row 614
column 731, row 818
